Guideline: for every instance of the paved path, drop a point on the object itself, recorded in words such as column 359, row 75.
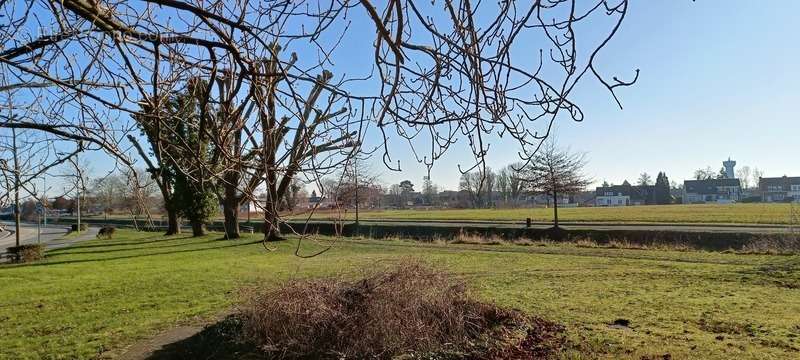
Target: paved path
column 52, row 236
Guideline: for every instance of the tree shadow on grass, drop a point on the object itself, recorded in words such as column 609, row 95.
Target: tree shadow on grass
column 131, row 247
column 145, row 240
column 78, row 261
column 216, row 341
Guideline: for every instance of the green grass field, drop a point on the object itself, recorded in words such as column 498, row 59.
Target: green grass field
column 95, row 299
column 701, row 213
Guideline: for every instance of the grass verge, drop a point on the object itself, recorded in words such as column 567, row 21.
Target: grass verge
column 96, row 298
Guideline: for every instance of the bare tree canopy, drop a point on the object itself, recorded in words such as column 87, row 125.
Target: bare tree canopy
column 274, row 99
column 555, row 172
column 644, row 179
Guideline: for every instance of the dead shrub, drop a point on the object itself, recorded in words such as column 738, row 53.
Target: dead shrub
column 410, row 309
column 26, row 253
column 106, row 232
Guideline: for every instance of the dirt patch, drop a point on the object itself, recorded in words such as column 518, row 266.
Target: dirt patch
column 727, row 327
column 622, row 324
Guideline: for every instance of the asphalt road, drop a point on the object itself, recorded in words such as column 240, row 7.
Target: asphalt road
column 51, row 236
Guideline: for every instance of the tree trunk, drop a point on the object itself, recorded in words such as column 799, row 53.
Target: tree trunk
column 555, row 210
column 230, row 206
column 230, row 209
column 198, row 229
column 272, row 228
column 16, row 186
column 173, row 222
column 16, row 218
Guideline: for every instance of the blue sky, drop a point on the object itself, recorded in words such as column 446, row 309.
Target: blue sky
column 718, row 79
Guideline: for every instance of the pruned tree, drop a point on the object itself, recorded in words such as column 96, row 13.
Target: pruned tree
column 555, row 172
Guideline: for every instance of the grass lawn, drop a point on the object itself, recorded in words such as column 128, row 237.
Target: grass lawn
column 98, row 297
column 700, row 213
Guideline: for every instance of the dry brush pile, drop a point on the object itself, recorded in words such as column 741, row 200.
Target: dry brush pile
column 408, row 311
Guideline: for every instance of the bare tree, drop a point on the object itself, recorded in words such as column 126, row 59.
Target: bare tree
column 138, row 196
column 503, row 185
column 644, row 179
column 555, row 172
column 705, row 174
column 429, row 190
column 472, row 182
column 77, row 176
column 442, row 71
column 397, row 193
column 515, row 183
column 26, row 156
column 355, row 184
column 111, row 191
column 478, row 184
column 743, row 173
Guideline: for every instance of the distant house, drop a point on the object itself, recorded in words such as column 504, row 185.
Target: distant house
column 315, row 200
column 778, row 189
column 711, row 191
column 624, row 195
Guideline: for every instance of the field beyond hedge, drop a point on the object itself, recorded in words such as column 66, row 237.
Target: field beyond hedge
column 96, row 298
column 699, row 213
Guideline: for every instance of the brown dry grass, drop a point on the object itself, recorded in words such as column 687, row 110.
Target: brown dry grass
column 788, row 244
column 464, row 237
column 625, row 244
column 410, row 309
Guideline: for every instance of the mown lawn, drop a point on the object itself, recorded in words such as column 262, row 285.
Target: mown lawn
column 699, row 213
column 97, row 298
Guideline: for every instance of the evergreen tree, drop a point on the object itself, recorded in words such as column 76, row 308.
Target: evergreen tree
column 195, row 204
column 662, row 194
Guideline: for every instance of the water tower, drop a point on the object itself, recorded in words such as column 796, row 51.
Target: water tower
column 729, row 164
